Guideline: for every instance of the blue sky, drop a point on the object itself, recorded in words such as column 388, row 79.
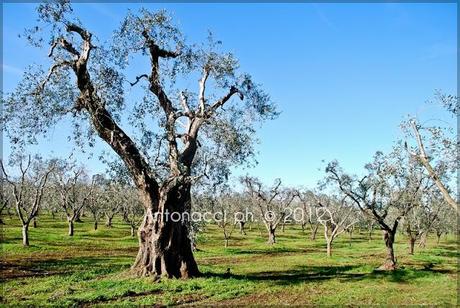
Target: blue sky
column 343, row 75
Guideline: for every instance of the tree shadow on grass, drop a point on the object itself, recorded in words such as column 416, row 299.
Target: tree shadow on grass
column 269, row 251
column 344, row 273
column 62, row 267
column 298, row 275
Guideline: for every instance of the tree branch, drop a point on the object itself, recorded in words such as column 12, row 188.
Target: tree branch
column 201, row 94
column 233, row 90
column 422, row 157
column 138, row 78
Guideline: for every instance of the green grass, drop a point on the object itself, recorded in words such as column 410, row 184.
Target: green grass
column 91, row 268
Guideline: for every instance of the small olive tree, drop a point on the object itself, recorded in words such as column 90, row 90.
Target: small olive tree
column 28, row 188
column 336, row 216
column 72, row 184
column 272, row 203
column 387, row 193
column 132, row 209
column 309, row 204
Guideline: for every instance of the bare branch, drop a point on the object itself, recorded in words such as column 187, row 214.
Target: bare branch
column 51, row 71
column 233, row 90
column 138, row 78
column 201, row 96
column 424, row 160
column 184, row 103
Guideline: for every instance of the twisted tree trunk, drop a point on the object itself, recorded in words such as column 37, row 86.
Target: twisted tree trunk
column 164, row 244
column 390, row 261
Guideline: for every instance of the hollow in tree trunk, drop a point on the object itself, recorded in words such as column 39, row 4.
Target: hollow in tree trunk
column 390, row 261
column 164, row 244
column 25, row 235
column 95, row 225
column 70, row 227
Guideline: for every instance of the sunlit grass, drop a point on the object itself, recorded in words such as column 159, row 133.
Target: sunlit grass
column 91, row 268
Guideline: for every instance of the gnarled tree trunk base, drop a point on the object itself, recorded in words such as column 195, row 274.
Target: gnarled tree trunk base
column 164, row 250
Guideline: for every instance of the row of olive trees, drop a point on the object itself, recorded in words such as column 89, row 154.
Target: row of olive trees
column 32, row 184
column 394, row 192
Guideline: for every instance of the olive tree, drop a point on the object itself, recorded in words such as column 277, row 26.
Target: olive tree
column 446, row 222
column 173, row 129
column 95, row 201
column 112, row 200
column 336, row 216
column 421, row 219
column 308, row 203
column 272, row 203
column 6, row 196
column 226, row 212
column 436, row 148
column 388, row 191
column 28, row 188
column 132, row 209
column 71, row 183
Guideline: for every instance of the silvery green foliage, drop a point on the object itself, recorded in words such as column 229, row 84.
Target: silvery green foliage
column 390, row 189
column 45, row 97
column 439, row 137
column 225, row 139
column 73, row 187
column 25, row 180
column 429, row 214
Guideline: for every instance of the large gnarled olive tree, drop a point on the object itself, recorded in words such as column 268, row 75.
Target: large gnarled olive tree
column 175, row 135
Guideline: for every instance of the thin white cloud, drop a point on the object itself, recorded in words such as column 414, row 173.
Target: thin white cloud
column 11, row 70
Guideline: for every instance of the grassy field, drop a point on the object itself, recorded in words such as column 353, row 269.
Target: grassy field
column 91, row 268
